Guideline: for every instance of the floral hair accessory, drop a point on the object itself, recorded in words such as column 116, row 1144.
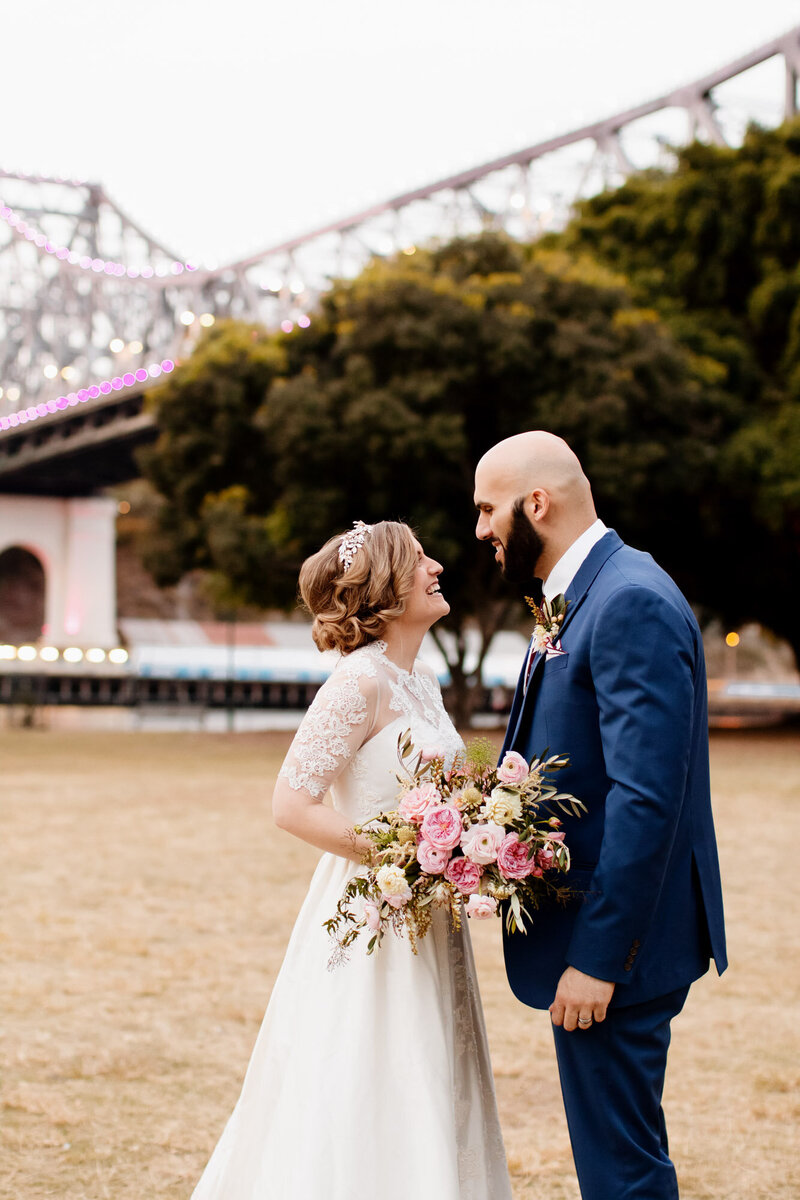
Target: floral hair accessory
column 351, row 543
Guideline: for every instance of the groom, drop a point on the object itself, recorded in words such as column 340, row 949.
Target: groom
column 626, row 700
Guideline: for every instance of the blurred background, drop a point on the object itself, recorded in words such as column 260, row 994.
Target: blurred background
column 266, row 269
column 263, row 275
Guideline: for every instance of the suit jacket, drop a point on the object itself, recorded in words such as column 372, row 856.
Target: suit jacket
column 627, row 702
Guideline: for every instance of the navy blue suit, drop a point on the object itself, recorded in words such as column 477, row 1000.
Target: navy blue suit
column 627, row 702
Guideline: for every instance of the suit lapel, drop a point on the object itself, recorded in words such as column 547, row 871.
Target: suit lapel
column 588, row 571
column 576, row 593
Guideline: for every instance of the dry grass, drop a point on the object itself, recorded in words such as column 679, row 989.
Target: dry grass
column 146, row 900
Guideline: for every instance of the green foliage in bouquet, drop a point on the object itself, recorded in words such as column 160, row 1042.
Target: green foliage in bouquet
column 472, row 837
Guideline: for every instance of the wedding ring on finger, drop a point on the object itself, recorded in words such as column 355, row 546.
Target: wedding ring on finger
column 584, row 1022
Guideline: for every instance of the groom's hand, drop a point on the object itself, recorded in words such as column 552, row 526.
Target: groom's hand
column 580, row 995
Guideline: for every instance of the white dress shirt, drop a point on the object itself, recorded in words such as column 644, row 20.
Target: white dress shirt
column 572, row 560
column 564, row 572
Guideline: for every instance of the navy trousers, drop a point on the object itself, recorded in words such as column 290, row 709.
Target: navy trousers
column 612, row 1080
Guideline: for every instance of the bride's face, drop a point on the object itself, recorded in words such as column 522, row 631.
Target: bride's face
column 425, row 604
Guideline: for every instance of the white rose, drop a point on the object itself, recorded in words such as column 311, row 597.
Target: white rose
column 502, row 806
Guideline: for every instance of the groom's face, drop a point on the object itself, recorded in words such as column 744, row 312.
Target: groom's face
column 502, row 520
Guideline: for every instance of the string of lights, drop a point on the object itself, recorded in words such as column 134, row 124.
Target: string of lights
column 23, row 415
column 85, row 262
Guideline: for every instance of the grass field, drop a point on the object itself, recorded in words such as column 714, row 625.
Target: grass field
column 145, row 903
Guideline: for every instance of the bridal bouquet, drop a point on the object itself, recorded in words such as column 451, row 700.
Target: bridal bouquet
column 471, row 834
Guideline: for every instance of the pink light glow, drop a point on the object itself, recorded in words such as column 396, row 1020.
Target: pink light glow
column 86, row 262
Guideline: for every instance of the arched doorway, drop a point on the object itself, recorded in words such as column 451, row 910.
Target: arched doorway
column 22, row 596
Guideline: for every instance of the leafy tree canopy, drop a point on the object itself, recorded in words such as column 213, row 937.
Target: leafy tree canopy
column 714, row 247
column 383, row 406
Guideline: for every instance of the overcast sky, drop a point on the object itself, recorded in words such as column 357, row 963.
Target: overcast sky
column 222, row 126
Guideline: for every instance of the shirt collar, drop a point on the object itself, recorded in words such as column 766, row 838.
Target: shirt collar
column 572, row 560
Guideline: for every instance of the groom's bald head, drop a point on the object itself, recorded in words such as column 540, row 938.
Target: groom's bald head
column 533, row 477
column 534, row 460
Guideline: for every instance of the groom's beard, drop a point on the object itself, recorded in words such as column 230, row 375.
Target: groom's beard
column 523, row 548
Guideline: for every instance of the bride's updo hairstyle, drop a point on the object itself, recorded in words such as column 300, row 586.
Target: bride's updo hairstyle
column 352, row 605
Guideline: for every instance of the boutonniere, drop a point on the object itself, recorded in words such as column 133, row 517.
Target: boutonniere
column 549, row 617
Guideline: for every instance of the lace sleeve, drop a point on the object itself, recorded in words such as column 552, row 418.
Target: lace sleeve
column 338, row 722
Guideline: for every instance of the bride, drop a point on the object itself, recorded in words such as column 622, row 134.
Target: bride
column 372, row 1078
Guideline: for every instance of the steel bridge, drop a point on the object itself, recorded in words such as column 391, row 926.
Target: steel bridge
column 93, row 309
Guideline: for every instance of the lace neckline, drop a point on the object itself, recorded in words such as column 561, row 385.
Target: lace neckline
column 381, row 648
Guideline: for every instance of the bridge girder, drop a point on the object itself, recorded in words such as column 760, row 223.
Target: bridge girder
column 76, row 273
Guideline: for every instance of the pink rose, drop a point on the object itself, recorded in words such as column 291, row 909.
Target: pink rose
column 482, row 841
column 464, row 873
column 432, row 859
column 513, row 858
column 442, row 826
column 513, row 768
column 556, row 837
column 481, row 907
column 544, row 859
column 372, row 915
column 414, row 804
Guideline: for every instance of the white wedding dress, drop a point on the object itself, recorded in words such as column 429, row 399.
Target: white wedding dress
column 371, row 1079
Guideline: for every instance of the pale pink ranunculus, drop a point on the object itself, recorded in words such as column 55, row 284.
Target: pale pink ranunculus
column 513, row 768
column 442, row 826
column 480, row 907
column 429, row 753
column 482, row 841
column 414, row 804
column 464, row 873
column 513, row 858
column 372, row 915
column 431, row 858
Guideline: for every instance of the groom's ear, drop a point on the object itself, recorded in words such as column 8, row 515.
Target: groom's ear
column 537, row 505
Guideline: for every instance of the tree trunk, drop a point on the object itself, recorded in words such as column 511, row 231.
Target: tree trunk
column 465, row 693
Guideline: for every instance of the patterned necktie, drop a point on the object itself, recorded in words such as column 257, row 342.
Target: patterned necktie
column 529, row 669
column 536, row 589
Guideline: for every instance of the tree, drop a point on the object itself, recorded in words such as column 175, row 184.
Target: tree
column 714, row 248
column 382, row 408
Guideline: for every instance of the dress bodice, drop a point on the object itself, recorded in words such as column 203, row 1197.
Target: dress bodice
column 347, row 740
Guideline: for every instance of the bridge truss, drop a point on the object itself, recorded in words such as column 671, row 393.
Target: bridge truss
column 90, row 303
